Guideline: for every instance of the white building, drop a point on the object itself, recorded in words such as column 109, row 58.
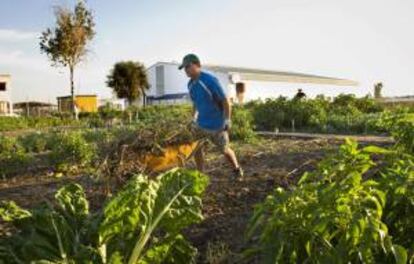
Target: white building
column 6, row 105
column 115, row 103
column 168, row 85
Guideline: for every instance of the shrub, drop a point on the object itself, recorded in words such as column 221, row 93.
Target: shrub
column 242, row 125
column 34, row 142
column 13, row 157
column 17, row 123
column 345, row 114
column 71, row 150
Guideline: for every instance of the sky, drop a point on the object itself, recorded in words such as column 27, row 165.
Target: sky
column 367, row 41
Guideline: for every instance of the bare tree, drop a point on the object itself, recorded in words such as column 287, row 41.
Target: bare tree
column 66, row 43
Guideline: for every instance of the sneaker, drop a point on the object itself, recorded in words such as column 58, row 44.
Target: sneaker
column 238, row 174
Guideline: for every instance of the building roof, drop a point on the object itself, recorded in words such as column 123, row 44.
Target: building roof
column 78, row 95
column 32, row 104
column 168, row 96
column 252, row 74
column 397, row 99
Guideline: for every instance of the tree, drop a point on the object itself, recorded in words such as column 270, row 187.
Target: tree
column 129, row 80
column 66, row 43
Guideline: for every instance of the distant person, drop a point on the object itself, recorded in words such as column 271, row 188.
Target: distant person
column 300, row 95
column 76, row 109
column 212, row 112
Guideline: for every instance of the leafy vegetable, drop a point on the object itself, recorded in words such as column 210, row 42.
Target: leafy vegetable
column 350, row 210
column 141, row 224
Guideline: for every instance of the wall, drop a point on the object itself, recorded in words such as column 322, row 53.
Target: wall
column 263, row 90
column 152, row 81
column 6, row 107
column 176, row 81
column 85, row 104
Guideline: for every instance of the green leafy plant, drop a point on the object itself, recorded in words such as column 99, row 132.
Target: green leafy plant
column 337, row 214
column 344, row 114
column 71, row 150
column 13, row 123
column 242, row 125
column 34, row 142
column 398, row 182
column 140, row 224
column 13, row 157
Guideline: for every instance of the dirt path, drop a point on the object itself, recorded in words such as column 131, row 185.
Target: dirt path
column 359, row 138
column 228, row 205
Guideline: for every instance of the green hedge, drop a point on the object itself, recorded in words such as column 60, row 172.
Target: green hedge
column 343, row 114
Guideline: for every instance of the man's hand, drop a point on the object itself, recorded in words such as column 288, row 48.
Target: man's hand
column 227, row 124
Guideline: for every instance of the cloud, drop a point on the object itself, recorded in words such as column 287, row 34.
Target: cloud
column 11, row 35
column 22, row 59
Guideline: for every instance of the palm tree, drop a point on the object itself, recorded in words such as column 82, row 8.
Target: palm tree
column 129, row 80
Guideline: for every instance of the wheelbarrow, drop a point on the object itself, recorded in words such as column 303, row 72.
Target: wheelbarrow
column 172, row 156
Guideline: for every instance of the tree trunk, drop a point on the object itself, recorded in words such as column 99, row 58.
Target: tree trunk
column 72, row 90
column 144, row 99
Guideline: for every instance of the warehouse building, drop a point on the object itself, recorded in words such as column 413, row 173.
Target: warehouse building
column 168, row 85
column 6, row 105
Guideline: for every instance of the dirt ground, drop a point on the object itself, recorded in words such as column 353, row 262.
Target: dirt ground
column 228, row 205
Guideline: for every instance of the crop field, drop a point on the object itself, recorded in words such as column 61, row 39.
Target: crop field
column 106, row 189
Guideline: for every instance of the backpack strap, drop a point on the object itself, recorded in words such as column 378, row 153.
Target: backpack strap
column 206, row 89
column 213, row 96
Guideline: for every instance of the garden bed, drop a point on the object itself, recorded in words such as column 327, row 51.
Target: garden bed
column 228, row 205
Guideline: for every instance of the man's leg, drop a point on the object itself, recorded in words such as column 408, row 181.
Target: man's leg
column 231, row 157
column 199, row 157
column 222, row 140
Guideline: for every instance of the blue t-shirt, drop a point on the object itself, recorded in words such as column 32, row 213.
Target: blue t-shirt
column 207, row 96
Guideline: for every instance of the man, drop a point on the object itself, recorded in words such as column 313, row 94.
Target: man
column 300, row 95
column 212, row 112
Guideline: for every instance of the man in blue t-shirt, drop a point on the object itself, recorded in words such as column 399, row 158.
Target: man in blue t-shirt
column 212, row 112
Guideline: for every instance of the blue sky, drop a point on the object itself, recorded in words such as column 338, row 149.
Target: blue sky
column 367, row 41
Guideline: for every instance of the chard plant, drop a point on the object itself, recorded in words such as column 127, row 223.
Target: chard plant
column 141, row 224
column 350, row 210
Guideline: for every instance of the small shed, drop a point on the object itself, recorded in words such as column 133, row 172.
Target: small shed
column 34, row 108
column 85, row 103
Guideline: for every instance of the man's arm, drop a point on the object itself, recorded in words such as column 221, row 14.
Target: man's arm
column 194, row 113
column 217, row 89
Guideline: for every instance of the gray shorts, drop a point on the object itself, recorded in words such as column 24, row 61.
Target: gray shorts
column 219, row 138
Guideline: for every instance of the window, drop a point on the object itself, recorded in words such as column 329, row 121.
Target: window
column 4, row 109
column 2, row 86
